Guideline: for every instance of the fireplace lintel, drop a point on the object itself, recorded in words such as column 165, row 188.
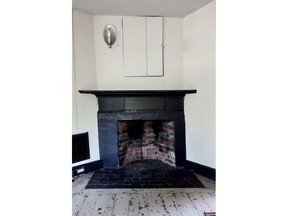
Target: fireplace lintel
column 125, row 93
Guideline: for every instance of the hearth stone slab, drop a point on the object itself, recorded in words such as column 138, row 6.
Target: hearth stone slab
column 144, row 174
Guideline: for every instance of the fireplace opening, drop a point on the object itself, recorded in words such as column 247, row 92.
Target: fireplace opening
column 146, row 140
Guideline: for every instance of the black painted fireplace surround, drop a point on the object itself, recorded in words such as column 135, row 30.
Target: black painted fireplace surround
column 146, row 105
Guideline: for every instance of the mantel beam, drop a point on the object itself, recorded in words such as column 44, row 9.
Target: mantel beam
column 125, row 93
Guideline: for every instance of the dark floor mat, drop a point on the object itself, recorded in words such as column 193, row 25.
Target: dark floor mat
column 144, row 174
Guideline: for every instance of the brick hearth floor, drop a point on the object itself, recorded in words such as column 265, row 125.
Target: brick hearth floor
column 144, row 174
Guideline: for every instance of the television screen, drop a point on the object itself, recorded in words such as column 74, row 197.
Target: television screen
column 80, row 147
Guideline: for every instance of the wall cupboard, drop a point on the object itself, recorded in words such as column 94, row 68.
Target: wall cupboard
column 142, row 46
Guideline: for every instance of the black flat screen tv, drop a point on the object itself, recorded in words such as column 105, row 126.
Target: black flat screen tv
column 80, row 147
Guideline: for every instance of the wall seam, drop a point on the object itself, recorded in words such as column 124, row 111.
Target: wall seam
column 74, row 72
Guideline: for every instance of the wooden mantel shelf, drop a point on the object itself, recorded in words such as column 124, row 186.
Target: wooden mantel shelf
column 123, row 93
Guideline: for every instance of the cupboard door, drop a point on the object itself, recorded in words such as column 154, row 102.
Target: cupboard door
column 134, row 45
column 154, row 38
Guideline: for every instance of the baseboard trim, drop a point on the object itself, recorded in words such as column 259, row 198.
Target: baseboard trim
column 201, row 169
column 88, row 167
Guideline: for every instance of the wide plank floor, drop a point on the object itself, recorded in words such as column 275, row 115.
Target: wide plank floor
column 143, row 202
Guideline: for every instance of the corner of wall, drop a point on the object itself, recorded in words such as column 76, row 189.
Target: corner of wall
column 199, row 73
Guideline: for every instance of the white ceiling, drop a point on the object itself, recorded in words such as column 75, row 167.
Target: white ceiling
column 168, row 8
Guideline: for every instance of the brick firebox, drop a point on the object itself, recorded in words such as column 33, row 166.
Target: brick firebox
column 145, row 140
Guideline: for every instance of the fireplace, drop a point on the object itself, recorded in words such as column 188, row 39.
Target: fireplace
column 146, row 140
column 136, row 125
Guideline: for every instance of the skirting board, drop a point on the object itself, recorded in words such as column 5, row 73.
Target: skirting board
column 201, row 169
column 88, row 167
column 209, row 214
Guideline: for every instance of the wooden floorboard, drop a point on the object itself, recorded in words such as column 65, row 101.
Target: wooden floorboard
column 142, row 202
column 137, row 204
column 185, row 206
column 101, row 204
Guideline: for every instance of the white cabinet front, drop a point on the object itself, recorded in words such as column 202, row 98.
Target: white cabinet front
column 142, row 46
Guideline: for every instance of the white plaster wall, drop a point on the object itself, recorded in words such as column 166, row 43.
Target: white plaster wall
column 109, row 61
column 199, row 73
column 84, row 106
column 74, row 113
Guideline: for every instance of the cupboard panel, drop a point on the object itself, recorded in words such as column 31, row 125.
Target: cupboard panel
column 154, row 36
column 134, row 44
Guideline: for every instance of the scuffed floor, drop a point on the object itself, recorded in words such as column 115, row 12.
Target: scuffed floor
column 144, row 202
